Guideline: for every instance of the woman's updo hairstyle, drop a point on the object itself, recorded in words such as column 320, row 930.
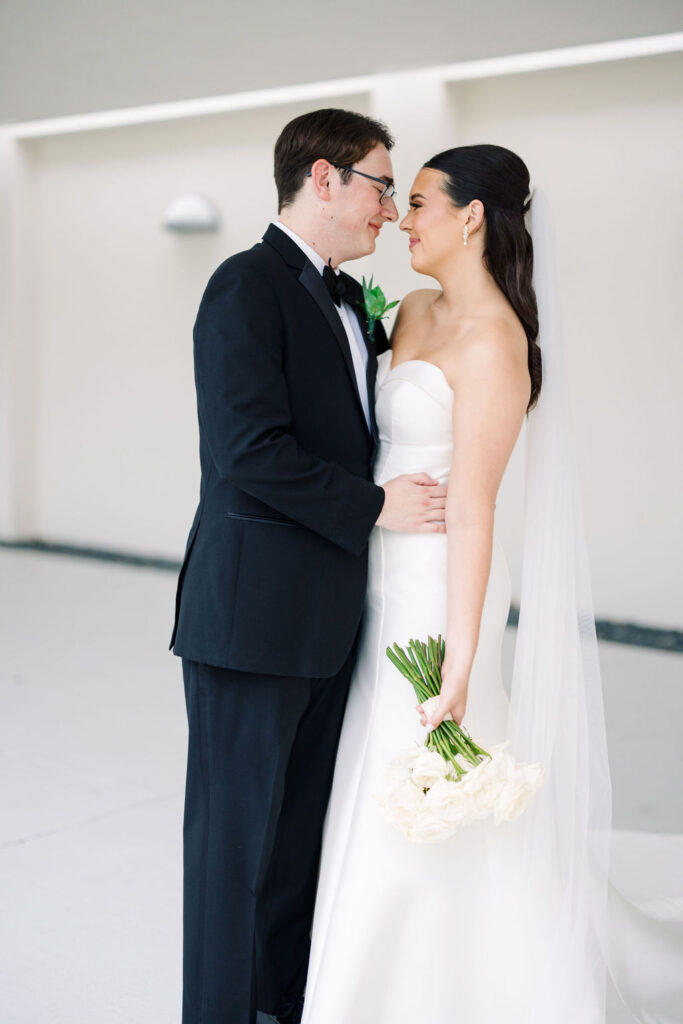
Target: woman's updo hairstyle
column 500, row 180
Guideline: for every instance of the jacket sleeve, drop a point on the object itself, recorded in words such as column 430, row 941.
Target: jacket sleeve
column 245, row 418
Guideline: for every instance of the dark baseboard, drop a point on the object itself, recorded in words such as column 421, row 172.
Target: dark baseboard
column 98, row 554
column 629, row 633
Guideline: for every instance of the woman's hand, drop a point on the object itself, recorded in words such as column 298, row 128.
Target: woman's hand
column 452, row 699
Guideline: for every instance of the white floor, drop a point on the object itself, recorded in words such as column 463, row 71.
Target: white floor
column 92, row 736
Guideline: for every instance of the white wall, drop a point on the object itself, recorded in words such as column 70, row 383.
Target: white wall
column 117, row 460
column 114, row 299
column 605, row 144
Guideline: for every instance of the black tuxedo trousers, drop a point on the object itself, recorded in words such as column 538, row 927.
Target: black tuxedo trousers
column 260, row 762
column 268, row 612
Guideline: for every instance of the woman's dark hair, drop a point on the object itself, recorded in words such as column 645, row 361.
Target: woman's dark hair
column 500, row 179
column 340, row 136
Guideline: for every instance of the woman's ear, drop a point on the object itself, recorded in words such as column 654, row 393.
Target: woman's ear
column 475, row 217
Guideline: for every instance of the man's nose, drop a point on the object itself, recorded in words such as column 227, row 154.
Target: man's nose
column 389, row 210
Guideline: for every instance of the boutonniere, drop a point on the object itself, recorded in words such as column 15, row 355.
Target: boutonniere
column 375, row 305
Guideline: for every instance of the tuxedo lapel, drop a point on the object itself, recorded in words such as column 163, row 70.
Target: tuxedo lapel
column 313, row 283
column 315, row 286
column 371, row 377
column 371, row 367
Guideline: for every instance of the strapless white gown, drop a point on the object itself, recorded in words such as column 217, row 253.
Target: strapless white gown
column 402, row 932
column 400, row 928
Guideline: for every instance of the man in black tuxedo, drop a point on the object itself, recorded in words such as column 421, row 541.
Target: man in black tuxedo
column 271, row 591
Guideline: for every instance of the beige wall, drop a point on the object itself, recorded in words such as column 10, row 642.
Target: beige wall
column 605, row 144
column 117, row 452
column 112, row 298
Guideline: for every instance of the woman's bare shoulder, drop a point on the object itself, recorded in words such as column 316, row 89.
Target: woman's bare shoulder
column 494, row 337
column 413, row 307
column 418, row 300
column 493, row 349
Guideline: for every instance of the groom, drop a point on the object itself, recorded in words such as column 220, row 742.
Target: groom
column 271, row 591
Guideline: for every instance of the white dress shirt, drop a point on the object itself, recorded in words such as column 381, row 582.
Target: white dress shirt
column 347, row 315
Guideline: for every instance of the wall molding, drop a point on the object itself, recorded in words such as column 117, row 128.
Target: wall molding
column 491, row 67
column 630, row 633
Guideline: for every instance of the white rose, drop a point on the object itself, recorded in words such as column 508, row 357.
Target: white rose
column 450, row 802
column 483, row 785
column 428, row 828
column 409, row 756
column 505, row 763
column 400, row 769
column 428, row 768
column 516, row 795
column 533, row 774
column 407, row 795
column 400, row 802
column 396, row 773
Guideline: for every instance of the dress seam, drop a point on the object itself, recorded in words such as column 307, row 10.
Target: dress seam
column 361, row 765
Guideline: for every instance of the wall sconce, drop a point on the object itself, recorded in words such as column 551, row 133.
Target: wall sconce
column 191, row 213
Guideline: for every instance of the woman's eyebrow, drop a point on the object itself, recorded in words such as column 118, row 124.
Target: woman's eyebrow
column 417, row 195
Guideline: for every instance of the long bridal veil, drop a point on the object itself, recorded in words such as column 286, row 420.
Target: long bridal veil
column 553, row 908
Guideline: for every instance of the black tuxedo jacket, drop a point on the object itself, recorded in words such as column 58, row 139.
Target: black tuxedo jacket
column 274, row 574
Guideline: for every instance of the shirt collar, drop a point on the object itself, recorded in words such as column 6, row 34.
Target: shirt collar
column 317, row 260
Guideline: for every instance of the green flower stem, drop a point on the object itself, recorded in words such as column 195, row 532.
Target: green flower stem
column 471, row 745
column 430, row 671
column 421, row 665
column 442, row 747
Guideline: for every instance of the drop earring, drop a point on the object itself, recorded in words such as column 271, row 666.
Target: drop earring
column 465, row 235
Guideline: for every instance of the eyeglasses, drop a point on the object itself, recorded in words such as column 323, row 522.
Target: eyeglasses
column 389, row 190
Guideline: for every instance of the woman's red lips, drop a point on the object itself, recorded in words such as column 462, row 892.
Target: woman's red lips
column 412, row 242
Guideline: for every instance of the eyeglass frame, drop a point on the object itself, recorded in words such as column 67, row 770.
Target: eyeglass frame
column 385, row 194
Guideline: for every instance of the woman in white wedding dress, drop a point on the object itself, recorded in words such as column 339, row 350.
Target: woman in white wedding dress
column 499, row 924
column 401, row 931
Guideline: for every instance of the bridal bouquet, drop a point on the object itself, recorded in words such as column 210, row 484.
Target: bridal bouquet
column 451, row 781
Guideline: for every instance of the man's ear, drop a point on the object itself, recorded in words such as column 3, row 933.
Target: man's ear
column 320, row 176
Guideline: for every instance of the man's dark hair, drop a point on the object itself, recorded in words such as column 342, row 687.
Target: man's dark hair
column 340, row 136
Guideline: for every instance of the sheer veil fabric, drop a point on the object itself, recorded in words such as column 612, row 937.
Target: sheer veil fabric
column 549, row 875
column 552, row 940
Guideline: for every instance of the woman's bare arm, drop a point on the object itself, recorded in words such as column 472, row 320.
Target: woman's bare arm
column 491, row 385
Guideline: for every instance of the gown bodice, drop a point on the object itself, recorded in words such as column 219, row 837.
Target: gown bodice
column 414, row 407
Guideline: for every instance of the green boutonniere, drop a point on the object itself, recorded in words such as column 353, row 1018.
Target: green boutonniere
column 375, row 305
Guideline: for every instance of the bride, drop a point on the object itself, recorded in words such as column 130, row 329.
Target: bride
column 499, row 923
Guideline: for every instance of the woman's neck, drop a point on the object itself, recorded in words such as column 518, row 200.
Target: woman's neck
column 468, row 290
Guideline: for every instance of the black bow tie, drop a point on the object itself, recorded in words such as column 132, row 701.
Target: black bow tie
column 337, row 285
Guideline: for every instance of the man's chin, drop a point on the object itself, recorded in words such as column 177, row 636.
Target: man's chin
column 358, row 254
